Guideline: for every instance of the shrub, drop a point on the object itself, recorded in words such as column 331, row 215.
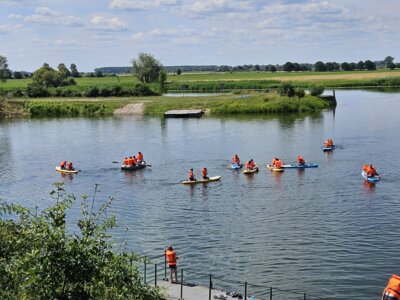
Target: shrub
column 299, row 92
column 105, row 92
column 35, row 90
column 316, row 90
column 92, row 92
column 286, row 89
column 40, row 259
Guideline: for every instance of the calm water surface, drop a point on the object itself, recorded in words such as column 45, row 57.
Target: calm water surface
column 322, row 231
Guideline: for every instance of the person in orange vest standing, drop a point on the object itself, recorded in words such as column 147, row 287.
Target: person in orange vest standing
column 139, row 157
column 392, row 290
column 171, row 260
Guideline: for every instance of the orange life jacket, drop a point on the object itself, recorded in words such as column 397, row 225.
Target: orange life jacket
column 134, row 160
column 253, row 164
column 328, row 143
column 139, row 156
column 278, row 164
column 69, row 166
column 301, row 160
column 366, row 168
column 249, row 165
column 171, row 257
column 204, row 172
column 126, row 161
column 130, row 161
column 63, row 164
column 393, row 286
column 274, row 161
column 371, row 171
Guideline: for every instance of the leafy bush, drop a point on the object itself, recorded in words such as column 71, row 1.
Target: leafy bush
column 286, row 89
column 300, row 93
column 316, row 90
column 35, row 90
column 40, row 259
column 92, row 92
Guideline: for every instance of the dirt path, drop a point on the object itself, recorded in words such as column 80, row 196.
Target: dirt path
column 131, row 109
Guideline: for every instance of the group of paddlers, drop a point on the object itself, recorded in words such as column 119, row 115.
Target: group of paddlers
column 370, row 170
column 64, row 165
column 133, row 160
column 328, row 143
column 204, row 174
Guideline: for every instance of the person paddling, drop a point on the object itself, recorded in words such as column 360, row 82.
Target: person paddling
column 328, row 143
column 300, row 160
column 191, row 175
column 70, row 166
column 139, row 157
column 204, row 173
column 277, row 163
column 249, row 166
column 63, row 165
column 236, row 159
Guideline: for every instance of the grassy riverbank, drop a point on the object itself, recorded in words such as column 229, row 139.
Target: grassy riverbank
column 123, row 86
column 227, row 104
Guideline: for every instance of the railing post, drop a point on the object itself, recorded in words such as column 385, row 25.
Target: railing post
column 209, row 288
column 181, row 284
column 270, row 293
column 245, row 290
column 305, row 297
column 155, row 275
column 145, row 275
column 165, row 266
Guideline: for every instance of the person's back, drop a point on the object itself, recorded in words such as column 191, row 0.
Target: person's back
column 69, row 166
column 134, row 160
column 130, row 161
column 171, row 260
column 204, row 173
column 63, row 164
column 126, row 161
column 300, row 160
column 248, row 165
column 139, row 156
column 392, row 290
column 274, row 161
column 372, row 171
column 278, row 164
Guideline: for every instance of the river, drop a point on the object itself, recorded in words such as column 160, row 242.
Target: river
column 323, row 231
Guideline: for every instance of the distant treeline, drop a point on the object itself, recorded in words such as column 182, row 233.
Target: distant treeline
column 319, row 66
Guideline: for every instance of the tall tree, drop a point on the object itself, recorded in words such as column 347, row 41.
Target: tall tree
column 74, row 71
column 388, row 61
column 3, row 69
column 361, row 65
column 369, row 65
column 63, row 70
column 146, row 68
column 162, row 80
column 320, row 66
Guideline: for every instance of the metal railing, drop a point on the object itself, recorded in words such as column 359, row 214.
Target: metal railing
column 244, row 286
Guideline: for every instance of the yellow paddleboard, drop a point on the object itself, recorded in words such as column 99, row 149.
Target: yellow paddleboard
column 272, row 168
column 215, row 178
column 58, row 169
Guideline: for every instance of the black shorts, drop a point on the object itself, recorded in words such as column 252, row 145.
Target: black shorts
column 172, row 266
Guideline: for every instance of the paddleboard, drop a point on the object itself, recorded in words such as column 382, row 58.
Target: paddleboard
column 370, row 179
column 272, row 168
column 236, row 166
column 300, row 166
column 326, row 149
column 248, row 171
column 215, row 178
column 65, row 171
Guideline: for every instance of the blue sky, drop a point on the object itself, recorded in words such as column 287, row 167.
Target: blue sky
column 99, row 33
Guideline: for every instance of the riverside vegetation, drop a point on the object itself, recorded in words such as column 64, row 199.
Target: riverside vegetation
column 41, row 259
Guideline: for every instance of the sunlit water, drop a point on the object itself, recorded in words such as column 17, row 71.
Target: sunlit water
column 323, row 231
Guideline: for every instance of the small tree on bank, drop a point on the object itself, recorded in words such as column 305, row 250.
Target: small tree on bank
column 146, row 68
column 40, row 259
column 316, row 90
column 3, row 68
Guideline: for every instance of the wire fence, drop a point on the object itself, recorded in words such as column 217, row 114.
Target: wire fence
column 155, row 269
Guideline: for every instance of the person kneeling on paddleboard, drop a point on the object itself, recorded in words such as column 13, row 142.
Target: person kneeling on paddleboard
column 249, row 165
column 69, row 166
column 204, row 172
column 277, row 163
column 371, row 172
column 191, row 175
column 63, row 165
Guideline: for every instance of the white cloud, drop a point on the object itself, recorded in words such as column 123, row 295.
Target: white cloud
column 104, row 23
column 140, row 4
column 165, row 33
column 47, row 16
column 8, row 28
column 66, row 43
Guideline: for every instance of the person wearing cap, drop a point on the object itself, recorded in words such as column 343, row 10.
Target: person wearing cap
column 171, row 260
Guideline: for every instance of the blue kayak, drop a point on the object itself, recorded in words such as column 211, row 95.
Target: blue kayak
column 236, row 166
column 300, row 166
column 326, row 149
column 370, row 178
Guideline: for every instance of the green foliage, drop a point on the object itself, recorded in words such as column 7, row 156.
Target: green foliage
column 299, row 92
column 74, row 71
column 48, row 77
column 316, row 89
column 40, row 259
column 3, row 68
column 162, row 81
column 320, row 66
column 286, row 89
column 36, row 90
column 146, row 68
